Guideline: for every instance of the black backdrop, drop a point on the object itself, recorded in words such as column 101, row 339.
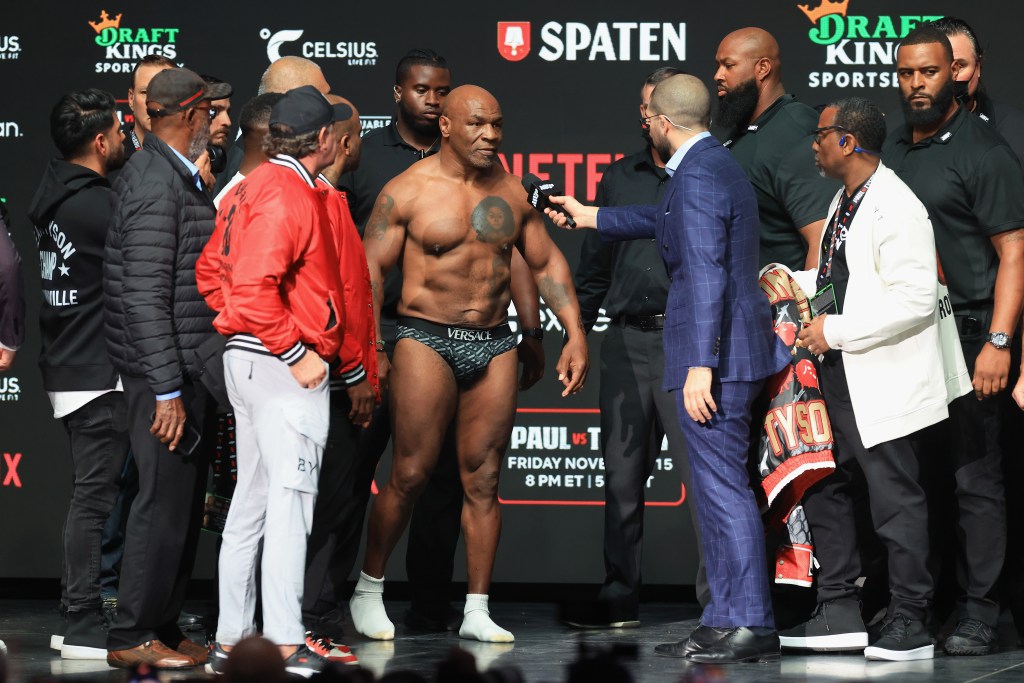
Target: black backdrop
column 569, row 95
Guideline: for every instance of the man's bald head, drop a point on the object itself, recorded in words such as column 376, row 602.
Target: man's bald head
column 749, row 75
column 349, row 142
column 465, row 98
column 753, row 42
column 471, row 125
column 684, row 99
column 288, row 73
column 352, row 125
column 748, row 48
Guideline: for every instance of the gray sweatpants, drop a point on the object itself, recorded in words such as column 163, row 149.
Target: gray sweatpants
column 281, row 430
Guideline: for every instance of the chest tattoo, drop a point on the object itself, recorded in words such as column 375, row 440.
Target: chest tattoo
column 493, row 221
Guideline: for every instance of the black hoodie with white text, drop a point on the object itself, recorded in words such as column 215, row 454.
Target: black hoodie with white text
column 71, row 214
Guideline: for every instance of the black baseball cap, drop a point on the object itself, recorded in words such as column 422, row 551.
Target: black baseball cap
column 175, row 90
column 305, row 109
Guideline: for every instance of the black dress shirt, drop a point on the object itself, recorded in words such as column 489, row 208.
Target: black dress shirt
column 628, row 277
column 971, row 182
column 775, row 152
column 384, row 155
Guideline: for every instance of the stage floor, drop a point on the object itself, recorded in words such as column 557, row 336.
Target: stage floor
column 542, row 651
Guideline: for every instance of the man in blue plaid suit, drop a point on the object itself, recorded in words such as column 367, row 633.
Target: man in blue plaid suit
column 719, row 348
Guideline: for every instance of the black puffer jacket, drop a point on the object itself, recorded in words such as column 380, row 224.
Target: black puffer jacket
column 154, row 316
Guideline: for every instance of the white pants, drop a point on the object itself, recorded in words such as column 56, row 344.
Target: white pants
column 281, row 430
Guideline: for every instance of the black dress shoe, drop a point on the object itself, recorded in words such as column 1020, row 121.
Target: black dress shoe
column 737, row 645
column 597, row 615
column 701, row 638
column 189, row 622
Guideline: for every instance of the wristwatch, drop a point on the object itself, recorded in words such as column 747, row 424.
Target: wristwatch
column 380, row 346
column 535, row 332
column 1000, row 340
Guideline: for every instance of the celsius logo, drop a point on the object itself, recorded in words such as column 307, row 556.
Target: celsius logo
column 618, row 41
column 9, row 129
column 10, row 48
column 125, row 46
column 854, row 40
column 357, row 53
column 10, row 389
column 275, row 41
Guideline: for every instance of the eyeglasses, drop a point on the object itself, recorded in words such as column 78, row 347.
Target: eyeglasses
column 645, row 121
column 820, row 133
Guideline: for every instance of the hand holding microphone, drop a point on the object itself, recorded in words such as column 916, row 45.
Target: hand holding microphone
column 563, row 210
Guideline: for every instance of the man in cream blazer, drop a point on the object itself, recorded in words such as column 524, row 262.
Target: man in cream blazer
column 878, row 321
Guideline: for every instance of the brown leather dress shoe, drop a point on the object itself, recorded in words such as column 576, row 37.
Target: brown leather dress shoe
column 194, row 650
column 152, row 652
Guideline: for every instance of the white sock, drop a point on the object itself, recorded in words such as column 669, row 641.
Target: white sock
column 477, row 624
column 367, row 607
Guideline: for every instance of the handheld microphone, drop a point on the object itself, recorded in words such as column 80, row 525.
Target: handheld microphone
column 539, row 193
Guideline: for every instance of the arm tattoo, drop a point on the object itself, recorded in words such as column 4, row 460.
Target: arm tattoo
column 493, row 221
column 381, row 216
column 556, row 294
column 375, row 290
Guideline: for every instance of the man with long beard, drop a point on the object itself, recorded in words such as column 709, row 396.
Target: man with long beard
column 969, row 180
column 768, row 132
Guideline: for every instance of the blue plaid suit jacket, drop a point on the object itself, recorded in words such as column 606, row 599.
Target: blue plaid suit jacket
column 708, row 230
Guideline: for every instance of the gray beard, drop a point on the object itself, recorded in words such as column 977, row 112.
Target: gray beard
column 198, row 144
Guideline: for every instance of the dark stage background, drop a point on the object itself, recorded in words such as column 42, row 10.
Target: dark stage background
column 567, row 75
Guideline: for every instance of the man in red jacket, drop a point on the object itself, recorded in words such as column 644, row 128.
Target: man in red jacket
column 272, row 271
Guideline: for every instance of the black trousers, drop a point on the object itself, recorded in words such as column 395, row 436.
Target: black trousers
column 99, row 447
column 347, row 470
column 163, row 525
column 635, row 416
column 968, row 497
column 899, row 509
column 113, row 530
column 1012, row 438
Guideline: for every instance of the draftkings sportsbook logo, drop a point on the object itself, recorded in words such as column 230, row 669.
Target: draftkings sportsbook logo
column 355, row 53
column 124, row 46
column 617, row 41
column 862, row 48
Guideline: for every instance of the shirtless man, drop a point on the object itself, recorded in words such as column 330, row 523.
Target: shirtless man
column 454, row 219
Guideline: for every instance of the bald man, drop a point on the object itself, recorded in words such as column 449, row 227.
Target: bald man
column 287, row 73
column 768, row 132
column 292, row 72
column 453, row 221
column 719, row 348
